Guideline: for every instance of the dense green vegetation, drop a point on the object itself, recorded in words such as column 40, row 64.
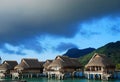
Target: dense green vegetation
column 111, row 50
column 118, row 66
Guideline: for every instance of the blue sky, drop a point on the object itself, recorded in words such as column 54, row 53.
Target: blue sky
column 45, row 29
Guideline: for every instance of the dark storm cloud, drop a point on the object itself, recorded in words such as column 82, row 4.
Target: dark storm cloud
column 65, row 46
column 25, row 19
column 32, row 44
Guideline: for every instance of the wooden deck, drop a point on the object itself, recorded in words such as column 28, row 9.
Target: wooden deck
column 100, row 75
column 93, row 72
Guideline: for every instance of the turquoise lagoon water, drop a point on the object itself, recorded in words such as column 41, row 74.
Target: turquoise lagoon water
column 55, row 80
column 67, row 80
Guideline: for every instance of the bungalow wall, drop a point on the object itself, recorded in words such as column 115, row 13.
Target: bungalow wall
column 31, row 71
column 68, row 69
column 2, row 71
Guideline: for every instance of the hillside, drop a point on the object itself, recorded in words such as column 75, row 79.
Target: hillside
column 111, row 50
column 76, row 53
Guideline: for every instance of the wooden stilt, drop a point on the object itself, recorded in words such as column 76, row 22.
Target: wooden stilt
column 28, row 76
column 62, row 76
column 31, row 75
column 94, row 76
column 59, row 76
column 22, row 76
column 88, row 76
column 73, row 74
column 99, row 76
column 55, row 76
column 37, row 75
column 48, row 76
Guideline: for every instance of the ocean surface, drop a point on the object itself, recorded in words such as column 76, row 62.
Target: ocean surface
column 55, row 80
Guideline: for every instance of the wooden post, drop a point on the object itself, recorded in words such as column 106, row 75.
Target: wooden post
column 95, row 68
column 88, row 76
column 99, row 76
column 93, row 76
column 98, row 68
column 59, row 76
column 90, row 68
column 48, row 76
column 28, row 76
column 102, row 69
column 13, row 77
column 55, row 76
column 37, row 75
column 62, row 76
column 73, row 74
column 31, row 75
column 22, row 76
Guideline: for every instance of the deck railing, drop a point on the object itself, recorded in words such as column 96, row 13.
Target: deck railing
column 92, row 72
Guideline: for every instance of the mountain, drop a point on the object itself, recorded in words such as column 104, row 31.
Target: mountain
column 111, row 50
column 76, row 53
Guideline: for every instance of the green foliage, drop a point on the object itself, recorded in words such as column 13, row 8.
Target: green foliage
column 118, row 66
column 85, row 59
column 111, row 50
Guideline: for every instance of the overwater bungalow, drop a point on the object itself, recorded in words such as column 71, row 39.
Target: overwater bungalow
column 99, row 67
column 7, row 67
column 45, row 65
column 62, row 66
column 28, row 68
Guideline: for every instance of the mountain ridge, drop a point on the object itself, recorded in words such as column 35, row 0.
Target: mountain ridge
column 111, row 50
column 76, row 53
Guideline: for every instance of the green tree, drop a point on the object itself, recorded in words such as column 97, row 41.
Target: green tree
column 118, row 66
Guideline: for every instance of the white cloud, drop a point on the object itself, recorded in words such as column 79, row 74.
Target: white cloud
column 11, row 47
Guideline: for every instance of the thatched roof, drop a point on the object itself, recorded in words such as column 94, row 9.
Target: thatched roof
column 21, row 66
column 47, row 62
column 3, row 67
column 42, row 63
column 11, row 64
column 64, row 61
column 8, row 65
column 99, row 60
column 75, row 62
column 28, row 63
